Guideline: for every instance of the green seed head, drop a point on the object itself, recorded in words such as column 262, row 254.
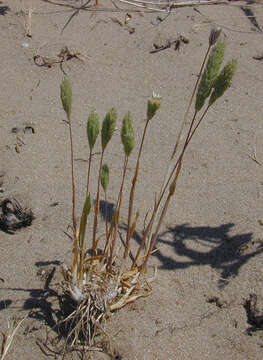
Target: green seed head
column 127, row 134
column 214, row 35
column 66, row 96
column 108, row 127
column 223, row 81
column 104, row 177
column 210, row 74
column 88, row 205
column 92, row 129
column 153, row 105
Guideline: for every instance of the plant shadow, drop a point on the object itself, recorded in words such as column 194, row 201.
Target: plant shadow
column 54, row 307
column 4, row 304
column 205, row 245
column 49, row 306
column 106, row 210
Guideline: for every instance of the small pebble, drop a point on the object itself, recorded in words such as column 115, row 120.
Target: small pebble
column 25, row 45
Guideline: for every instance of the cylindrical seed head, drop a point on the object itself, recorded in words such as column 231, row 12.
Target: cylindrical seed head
column 66, row 96
column 92, row 129
column 223, row 81
column 153, row 105
column 108, row 127
column 127, row 134
column 214, row 35
column 210, row 74
column 104, row 176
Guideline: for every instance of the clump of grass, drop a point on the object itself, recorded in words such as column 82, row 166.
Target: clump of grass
column 104, row 278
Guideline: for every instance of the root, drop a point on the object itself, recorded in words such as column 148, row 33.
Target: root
column 102, row 293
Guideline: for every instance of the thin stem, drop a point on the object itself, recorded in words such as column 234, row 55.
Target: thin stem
column 177, row 167
column 154, row 237
column 190, row 102
column 73, row 180
column 106, row 214
column 128, row 236
column 169, row 174
column 168, row 177
column 95, row 224
column 197, row 125
column 82, row 228
column 115, row 219
column 147, row 233
column 88, row 177
column 119, row 201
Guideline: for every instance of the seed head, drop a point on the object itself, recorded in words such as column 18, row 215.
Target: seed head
column 214, row 35
column 66, row 96
column 108, row 127
column 92, row 129
column 127, row 134
column 104, row 176
column 223, row 81
column 153, row 105
column 210, row 74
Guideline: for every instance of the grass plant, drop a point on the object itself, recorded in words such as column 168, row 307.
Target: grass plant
column 103, row 279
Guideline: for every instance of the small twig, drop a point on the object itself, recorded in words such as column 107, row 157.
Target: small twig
column 28, row 23
column 254, row 157
column 41, row 346
column 167, row 6
column 74, row 14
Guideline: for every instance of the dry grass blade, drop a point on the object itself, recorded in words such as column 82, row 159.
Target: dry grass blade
column 160, row 6
column 8, row 338
column 74, row 14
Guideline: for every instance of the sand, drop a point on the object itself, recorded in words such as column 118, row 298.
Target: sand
column 210, row 246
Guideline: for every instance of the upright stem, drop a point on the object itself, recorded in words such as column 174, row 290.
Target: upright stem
column 145, row 235
column 147, row 232
column 197, row 125
column 169, row 196
column 169, row 174
column 190, row 102
column 128, row 236
column 177, row 167
column 82, row 226
column 95, row 224
column 115, row 220
column 106, row 213
column 88, row 177
column 73, row 181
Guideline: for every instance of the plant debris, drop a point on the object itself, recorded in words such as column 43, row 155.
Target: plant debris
column 124, row 24
column 254, row 316
column 27, row 129
column 169, row 43
column 258, row 57
column 251, row 17
column 13, row 216
column 215, row 300
column 65, row 55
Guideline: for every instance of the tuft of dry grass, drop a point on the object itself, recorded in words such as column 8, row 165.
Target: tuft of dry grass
column 8, row 338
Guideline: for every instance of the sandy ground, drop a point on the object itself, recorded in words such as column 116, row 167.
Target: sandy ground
column 210, row 256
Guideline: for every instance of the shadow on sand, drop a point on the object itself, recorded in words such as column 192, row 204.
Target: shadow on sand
column 220, row 250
